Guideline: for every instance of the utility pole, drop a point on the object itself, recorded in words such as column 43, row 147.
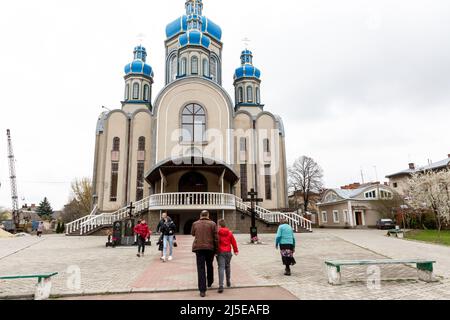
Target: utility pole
column 12, row 177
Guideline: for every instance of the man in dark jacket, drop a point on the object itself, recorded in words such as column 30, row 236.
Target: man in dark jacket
column 205, row 246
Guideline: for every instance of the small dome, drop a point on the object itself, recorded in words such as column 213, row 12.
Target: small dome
column 247, row 70
column 194, row 37
column 138, row 66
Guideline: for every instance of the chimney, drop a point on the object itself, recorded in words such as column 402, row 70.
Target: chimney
column 412, row 166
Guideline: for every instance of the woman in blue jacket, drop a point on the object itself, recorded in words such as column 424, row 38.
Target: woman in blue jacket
column 285, row 239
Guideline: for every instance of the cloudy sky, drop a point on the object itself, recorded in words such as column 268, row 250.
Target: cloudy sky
column 360, row 84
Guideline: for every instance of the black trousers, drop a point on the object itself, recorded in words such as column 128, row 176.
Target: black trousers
column 141, row 244
column 205, row 270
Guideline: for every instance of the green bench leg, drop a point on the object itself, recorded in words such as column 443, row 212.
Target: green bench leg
column 43, row 288
column 334, row 275
column 425, row 272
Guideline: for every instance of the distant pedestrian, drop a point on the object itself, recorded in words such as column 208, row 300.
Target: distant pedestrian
column 40, row 228
column 285, row 239
column 226, row 241
column 168, row 231
column 143, row 233
column 205, row 246
column 158, row 230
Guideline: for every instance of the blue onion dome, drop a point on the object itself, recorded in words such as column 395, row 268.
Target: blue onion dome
column 194, row 37
column 138, row 66
column 247, row 70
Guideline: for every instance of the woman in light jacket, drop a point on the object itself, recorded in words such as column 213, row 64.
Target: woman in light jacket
column 285, row 239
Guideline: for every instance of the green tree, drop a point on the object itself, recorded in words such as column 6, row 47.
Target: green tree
column 58, row 227
column 44, row 209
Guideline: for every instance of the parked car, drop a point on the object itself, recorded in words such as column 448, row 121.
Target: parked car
column 385, row 224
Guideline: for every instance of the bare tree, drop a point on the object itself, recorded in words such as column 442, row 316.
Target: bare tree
column 305, row 176
column 80, row 202
column 431, row 190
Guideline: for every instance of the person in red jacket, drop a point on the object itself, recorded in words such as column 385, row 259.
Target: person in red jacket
column 226, row 241
column 143, row 233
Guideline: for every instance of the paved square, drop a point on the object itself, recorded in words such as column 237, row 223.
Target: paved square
column 118, row 270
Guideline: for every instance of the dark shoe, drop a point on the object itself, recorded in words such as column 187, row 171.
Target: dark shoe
column 138, row 255
column 228, row 284
column 287, row 273
column 202, row 294
column 220, row 290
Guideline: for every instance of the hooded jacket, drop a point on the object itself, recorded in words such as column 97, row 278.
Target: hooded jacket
column 226, row 241
column 142, row 230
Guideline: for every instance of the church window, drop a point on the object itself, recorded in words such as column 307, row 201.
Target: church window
column 183, row 67
column 243, row 144
column 140, row 181
column 266, row 145
column 141, row 144
column 114, row 180
column 193, row 123
column 136, row 91
column 240, row 95
column 243, row 181
column 116, row 144
column 194, row 65
column 249, row 94
column 268, row 182
column 213, row 72
column 205, row 67
column 127, row 92
column 173, row 68
column 146, row 92
column 258, row 99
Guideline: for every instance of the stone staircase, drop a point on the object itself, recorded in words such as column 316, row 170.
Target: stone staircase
column 96, row 221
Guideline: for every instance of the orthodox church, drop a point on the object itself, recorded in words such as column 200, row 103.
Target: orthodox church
column 192, row 146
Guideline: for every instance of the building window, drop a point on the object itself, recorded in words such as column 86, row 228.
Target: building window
column 183, row 67
column 243, row 181
column 335, row 216
column 268, row 181
column 249, row 94
column 114, row 181
column 346, row 220
column 127, row 92
column 140, row 181
column 266, row 145
column 194, row 65
column 395, row 184
column 213, row 72
column 116, row 144
column 193, row 123
column 136, row 91
column 370, row 195
column 240, row 95
column 205, row 67
column 324, row 217
column 243, row 144
column 258, row 99
column 141, row 144
column 146, row 92
column 173, row 68
column 385, row 194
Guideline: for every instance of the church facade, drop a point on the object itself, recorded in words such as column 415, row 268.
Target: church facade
column 192, row 146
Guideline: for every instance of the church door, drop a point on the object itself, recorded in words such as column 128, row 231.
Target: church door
column 193, row 182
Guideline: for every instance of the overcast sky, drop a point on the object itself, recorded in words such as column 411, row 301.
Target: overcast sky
column 360, row 84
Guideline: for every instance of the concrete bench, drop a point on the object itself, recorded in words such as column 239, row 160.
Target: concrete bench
column 395, row 232
column 43, row 286
column 424, row 267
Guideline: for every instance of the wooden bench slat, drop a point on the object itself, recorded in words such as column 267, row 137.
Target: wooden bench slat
column 44, row 275
column 381, row 261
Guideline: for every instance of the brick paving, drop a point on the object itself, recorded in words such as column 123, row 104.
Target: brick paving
column 118, row 270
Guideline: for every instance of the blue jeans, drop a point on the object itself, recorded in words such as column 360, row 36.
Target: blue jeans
column 167, row 240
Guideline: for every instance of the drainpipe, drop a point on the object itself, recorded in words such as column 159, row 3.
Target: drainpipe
column 255, row 147
column 128, row 160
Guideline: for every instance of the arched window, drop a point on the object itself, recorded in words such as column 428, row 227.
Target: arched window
column 240, row 95
column 194, row 65
column 193, row 123
column 141, row 144
column 266, row 145
column 173, row 68
column 146, row 92
column 205, row 67
column 213, row 72
column 116, row 144
column 258, row 98
column 249, row 94
column 183, row 67
column 243, row 144
column 136, row 91
column 127, row 92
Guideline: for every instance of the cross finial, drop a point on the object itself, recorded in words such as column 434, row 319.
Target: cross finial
column 140, row 37
column 246, row 42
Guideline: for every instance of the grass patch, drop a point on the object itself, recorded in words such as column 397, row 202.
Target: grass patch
column 430, row 236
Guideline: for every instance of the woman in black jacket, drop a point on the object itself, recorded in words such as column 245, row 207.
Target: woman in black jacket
column 168, row 232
